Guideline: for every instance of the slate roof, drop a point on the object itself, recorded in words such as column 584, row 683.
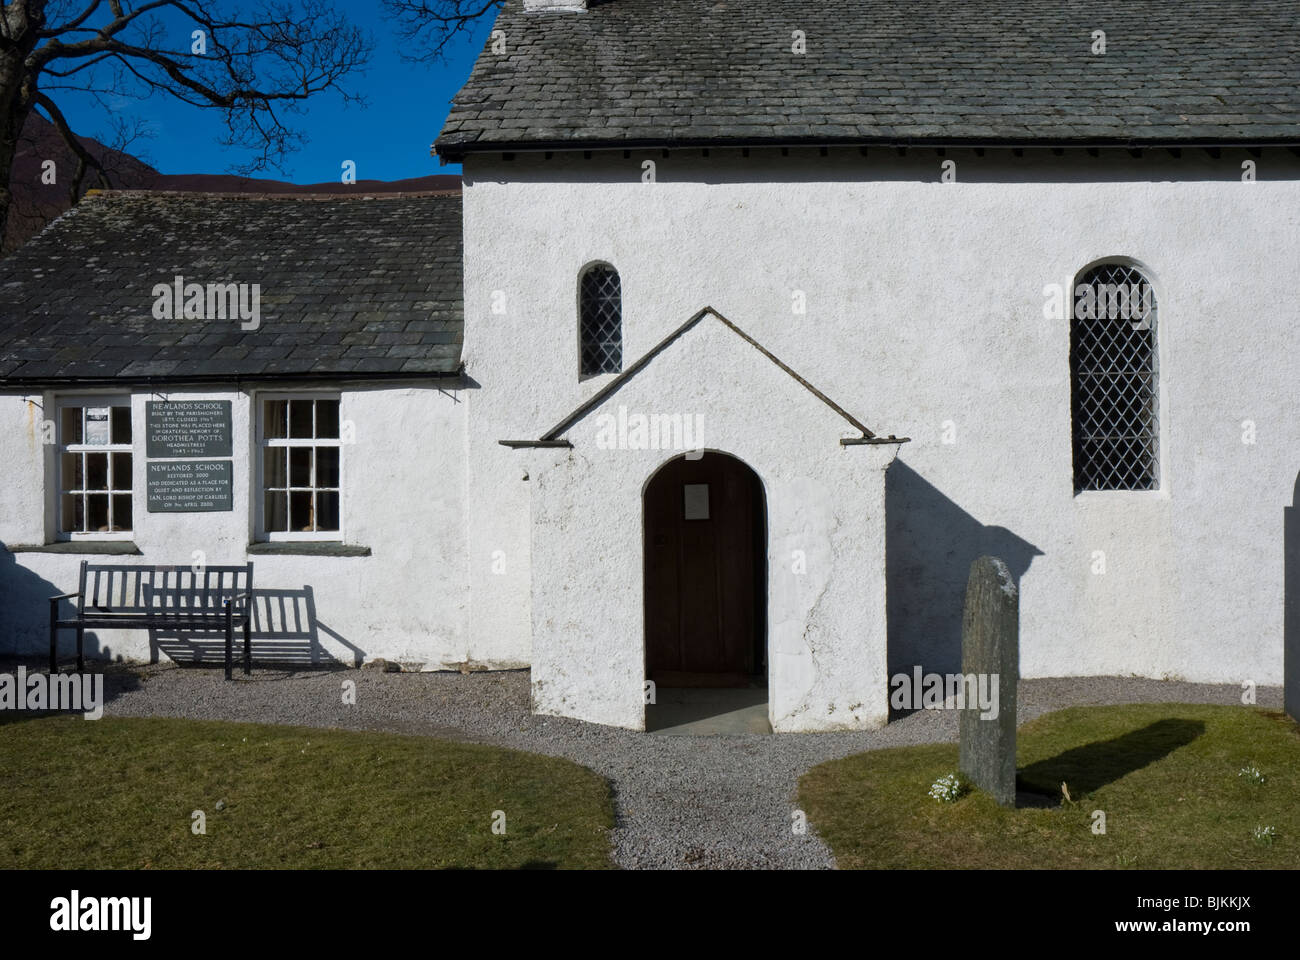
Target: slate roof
column 350, row 286
column 679, row 72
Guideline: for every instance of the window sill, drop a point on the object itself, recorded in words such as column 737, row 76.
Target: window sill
column 306, row 548
column 95, row 547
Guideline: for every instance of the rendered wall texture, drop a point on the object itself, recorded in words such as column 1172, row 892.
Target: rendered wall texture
column 825, row 535
column 403, row 486
column 925, row 317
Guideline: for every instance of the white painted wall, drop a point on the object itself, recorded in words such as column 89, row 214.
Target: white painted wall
column 827, row 623
column 403, row 497
column 925, row 305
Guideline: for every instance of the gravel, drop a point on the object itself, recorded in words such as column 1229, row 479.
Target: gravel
column 681, row 801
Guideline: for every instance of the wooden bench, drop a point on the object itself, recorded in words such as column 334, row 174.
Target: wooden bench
column 122, row 597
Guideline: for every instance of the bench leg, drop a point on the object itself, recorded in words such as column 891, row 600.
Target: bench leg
column 248, row 646
column 230, row 642
column 54, row 637
column 81, row 660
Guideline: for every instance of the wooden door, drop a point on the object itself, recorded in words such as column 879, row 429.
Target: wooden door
column 705, row 572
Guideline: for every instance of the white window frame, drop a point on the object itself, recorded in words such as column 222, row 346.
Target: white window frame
column 82, row 401
column 260, row 400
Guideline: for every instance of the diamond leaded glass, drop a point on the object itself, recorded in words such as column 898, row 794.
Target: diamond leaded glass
column 602, row 321
column 1113, row 380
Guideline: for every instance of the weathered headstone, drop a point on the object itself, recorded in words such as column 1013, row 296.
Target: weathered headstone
column 990, row 647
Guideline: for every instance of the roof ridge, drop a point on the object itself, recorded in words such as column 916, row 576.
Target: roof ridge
column 287, row 195
column 553, row 435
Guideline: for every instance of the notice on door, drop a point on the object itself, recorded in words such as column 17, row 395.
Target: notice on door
column 187, row 428
column 189, row 486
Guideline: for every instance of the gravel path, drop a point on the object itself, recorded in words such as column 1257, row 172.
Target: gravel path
column 681, row 802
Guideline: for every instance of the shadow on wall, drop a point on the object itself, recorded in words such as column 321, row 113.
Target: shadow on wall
column 286, row 631
column 25, row 609
column 930, row 543
column 1291, row 621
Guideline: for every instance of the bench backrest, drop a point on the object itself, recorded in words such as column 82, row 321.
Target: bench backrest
column 120, row 586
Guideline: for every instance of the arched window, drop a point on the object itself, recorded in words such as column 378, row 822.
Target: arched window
column 601, row 314
column 1113, row 380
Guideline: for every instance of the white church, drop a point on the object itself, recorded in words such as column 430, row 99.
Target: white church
column 752, row 326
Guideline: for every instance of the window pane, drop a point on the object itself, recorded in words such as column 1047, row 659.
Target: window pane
column 121, row 471
column 276, row 512
column 602, row 321
column 275, row 416
column 96, row 512
column 273, row 467
column 1113, row 381
column 300, row 511
column 97, row 472
column 327, row 510
column 97, row 426
column 70, row 514
column 122, row 511
column 121, row 430
column 327, row 466
column 300, row 418
column 327, row 419
column 73, row 475
column 300, row 466
column 71, row 425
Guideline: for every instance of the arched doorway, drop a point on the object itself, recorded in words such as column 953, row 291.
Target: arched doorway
column 705, row 574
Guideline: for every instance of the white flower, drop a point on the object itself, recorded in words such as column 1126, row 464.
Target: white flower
column 947, row 789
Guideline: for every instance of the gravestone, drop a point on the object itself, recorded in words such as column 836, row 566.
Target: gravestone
column 990, row 646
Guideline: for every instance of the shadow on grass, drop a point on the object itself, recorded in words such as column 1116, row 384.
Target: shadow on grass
column 1087, row 768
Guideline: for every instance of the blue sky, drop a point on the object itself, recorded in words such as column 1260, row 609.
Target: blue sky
column 388, row 137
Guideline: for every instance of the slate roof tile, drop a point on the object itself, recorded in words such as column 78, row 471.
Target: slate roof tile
column 77, row 300
column 676, row 71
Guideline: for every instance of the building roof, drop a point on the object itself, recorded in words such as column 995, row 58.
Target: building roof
column 349, row 286
column 683, row 72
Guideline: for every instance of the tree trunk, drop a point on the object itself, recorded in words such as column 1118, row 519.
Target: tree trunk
column 22, row 22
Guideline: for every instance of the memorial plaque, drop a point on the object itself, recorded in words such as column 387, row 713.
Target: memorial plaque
column 190, row 486
column 188, row 428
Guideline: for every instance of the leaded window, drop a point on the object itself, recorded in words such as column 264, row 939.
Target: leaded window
column 601, row 300
column 1113, row 380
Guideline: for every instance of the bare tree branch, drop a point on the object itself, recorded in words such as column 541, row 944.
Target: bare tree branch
column 430, row 27
column 255, row 63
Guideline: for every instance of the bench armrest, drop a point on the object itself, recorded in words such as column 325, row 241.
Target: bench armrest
column 241, row 602
column 65, row 596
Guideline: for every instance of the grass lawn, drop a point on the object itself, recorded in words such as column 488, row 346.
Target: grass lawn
column 120, row 793
column 1166, row 776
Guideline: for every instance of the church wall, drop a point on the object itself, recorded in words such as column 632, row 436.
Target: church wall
column 925, row 316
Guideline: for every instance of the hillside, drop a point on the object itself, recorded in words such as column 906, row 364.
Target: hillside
column 35, row 203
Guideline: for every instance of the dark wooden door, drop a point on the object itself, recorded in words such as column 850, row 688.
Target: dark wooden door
column 705, row 571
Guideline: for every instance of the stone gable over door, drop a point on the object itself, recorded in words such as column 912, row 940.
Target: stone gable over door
column 825, row 532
